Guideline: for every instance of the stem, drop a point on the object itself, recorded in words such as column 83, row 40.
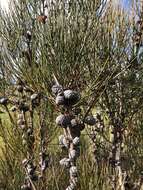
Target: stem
column 56, row 81
column 116, row 159
column 32, row 184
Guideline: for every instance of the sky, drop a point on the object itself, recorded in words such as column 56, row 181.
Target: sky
column 4, row 3
column 126, row 3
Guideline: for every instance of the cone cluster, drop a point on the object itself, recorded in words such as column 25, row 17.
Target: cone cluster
column 72, row 127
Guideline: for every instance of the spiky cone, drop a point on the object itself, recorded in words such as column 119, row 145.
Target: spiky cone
column 70, row 126
column 65, row 162
column 72, row 152
column 71, row 97
column 75, row 132
column 63, row 120
column 90, row 120
column 76, row 141
column 60, row 100
column 19, row 88
column 63, row 142
column 26, row 187
column 4, row 101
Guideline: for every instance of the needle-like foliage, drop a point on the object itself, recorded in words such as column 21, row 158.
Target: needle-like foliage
column 90, row 47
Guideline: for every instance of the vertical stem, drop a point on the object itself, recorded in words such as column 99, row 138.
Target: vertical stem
column 43, row 145
column 56, row 81
column 116, row 159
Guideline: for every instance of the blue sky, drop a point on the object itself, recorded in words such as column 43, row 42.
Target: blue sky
column 126, row 3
